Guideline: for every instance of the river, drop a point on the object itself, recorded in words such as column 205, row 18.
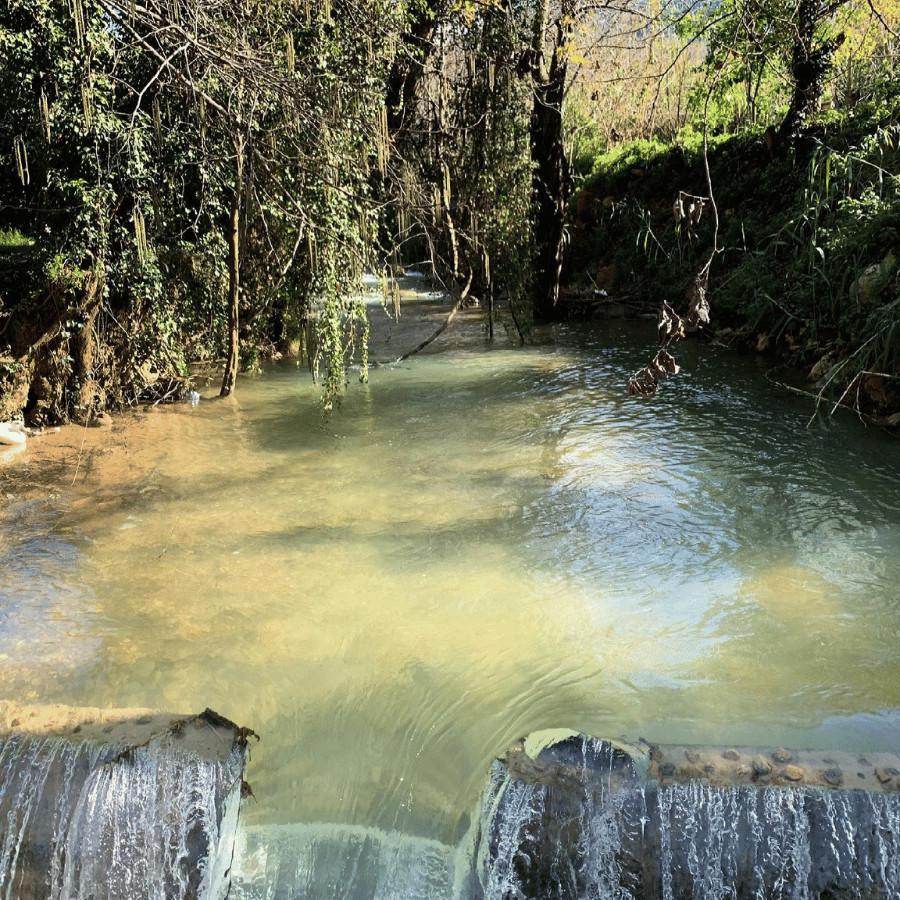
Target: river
column 480, row 543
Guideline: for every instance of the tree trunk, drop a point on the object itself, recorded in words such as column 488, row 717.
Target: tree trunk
column 809, row 66
column 550, row 177
column 409, row 63
column 234, row 273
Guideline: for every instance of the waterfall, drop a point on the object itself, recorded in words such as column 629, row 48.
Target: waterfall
column 339, row 862
column 582, row 820
column 567, row 817
column 83, row 820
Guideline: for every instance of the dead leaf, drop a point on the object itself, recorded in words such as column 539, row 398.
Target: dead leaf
column 671, row 325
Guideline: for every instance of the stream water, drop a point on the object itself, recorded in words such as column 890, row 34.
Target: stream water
column 481, row 543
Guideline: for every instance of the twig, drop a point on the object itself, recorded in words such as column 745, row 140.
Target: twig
column 836, row 370
column 80, row 449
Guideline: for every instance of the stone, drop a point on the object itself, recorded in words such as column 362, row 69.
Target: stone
column 782, row 756
column 885, row 775
column 834, row 776
column 868, row 286
column 793, row 773
column 692, row 756
column 761, row 766
column 733, row 755
column 667, row 770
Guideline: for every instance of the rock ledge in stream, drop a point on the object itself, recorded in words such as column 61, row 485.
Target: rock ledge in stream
column 572, row 816
column 117, row 804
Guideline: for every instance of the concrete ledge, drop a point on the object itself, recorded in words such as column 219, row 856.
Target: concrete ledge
column 721, row 766
column 567, row 815
column 549, row 754
column 117, row 804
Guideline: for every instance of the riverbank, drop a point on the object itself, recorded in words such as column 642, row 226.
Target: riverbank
column 806, row 272
column 418, row 324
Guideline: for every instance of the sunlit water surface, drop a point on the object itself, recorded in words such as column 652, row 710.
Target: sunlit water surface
column 479, row 544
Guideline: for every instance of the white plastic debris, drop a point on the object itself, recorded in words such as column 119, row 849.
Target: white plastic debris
column 12, row 434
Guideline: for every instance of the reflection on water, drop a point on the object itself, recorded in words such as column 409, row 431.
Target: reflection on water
column 480, row 544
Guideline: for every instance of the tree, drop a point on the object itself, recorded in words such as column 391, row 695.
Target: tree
column 810, row 59
column 551, row 182
column 226, row 185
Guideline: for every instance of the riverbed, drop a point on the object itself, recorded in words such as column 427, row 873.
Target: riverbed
column 480, row 543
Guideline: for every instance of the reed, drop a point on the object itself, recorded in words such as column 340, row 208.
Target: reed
column 44, row 109
column 21, row 154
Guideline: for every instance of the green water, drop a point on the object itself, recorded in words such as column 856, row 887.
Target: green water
column 480, row 544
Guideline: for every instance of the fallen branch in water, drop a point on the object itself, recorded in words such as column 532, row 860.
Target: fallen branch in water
column 818, row 396
column 463, row 295
column 440, row 330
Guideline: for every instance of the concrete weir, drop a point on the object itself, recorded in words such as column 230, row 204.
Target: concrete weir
column 567, row 815
column 117, row 804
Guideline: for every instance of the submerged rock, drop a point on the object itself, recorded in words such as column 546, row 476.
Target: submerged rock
column 581, row 817
column 127, row 807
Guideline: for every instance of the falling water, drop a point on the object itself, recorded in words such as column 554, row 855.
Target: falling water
column 82, row 821
column 595, row 828
column 331, row 862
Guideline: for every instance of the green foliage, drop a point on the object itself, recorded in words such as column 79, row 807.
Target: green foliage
column 584, row 139
column 809, row 243
column 111, row 158
column 463, row 189
column 13, row 239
